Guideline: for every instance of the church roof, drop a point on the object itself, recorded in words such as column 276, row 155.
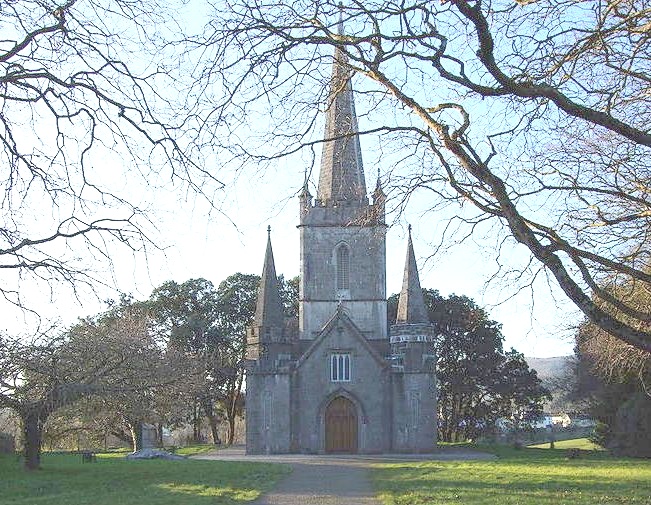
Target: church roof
column 340, row 317
column 269, row 308
column 342, row 173
column 411, row 304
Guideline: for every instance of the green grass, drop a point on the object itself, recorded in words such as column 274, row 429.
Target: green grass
column 576, row 443
column 524, row 477
column 191, row 450
column 112, row 480
column 188, row 450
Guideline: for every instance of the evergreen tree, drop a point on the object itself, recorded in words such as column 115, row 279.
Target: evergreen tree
column 478, row 381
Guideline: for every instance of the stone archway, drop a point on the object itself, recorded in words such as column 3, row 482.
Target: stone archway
column 341, row 426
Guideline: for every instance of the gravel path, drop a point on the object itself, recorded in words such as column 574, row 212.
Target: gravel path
column 331, row 479
column 315, row 484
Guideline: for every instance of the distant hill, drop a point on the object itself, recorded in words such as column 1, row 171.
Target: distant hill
column 551, row 368
column 557, row 375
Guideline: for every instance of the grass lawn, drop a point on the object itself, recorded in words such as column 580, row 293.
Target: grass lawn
column 65, row 480
column 524, row 477
column 191, row 450
column 575, row 443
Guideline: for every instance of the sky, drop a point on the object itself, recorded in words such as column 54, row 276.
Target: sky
column 199, row 242
column 213, row 242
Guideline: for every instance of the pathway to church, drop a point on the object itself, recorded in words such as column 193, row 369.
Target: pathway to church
column 330, row 479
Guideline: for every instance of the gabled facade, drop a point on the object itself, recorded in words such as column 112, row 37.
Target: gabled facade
column 341, row 382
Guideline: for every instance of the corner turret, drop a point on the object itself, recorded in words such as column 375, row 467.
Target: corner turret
column 267, row 340
column 412, row 335
column 413, row 364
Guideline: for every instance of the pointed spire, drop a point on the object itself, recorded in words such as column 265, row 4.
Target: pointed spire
column 378, row 192
column 411, row 304
column 340, row 25
column 342, row 171
column 305, row 191
column 269, row 308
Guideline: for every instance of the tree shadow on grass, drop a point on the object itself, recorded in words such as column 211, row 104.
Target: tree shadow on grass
column 535, row 480
column 64, row 480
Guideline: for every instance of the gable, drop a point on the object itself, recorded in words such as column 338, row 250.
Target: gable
column 340, row 332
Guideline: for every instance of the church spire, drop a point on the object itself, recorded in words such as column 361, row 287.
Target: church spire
column 269, row 308
column 342, row 172
column 411, row 304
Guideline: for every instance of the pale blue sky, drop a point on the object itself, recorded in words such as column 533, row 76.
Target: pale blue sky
column 201, row 242
column 214, row 246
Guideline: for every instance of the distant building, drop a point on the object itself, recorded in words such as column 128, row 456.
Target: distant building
column 562, row 420
column 342, row 381
column 582, row 421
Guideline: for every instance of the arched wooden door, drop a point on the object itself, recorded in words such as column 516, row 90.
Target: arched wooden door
column 341, row 426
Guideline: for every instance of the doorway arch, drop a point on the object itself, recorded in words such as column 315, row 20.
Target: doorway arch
column 341, row 426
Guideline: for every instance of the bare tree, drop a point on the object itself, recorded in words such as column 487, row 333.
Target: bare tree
column 148, row 381
column 610, row 359
column 36, row 379
column 615, row 378
column 114, row 358
column 86, row 98
column 536, row 113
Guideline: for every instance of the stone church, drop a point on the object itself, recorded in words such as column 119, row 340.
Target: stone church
column 341, row 380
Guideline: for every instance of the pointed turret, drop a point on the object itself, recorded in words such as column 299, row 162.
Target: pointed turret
column 412, row 336
column 411, row 305
column 413, row 361
column 305, row 199
column 269, row 307
column 267, row 339
column 379, row 196
column 342, row 174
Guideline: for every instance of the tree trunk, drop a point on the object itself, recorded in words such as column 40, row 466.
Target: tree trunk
column 231, row 411
column 458, row 428
column 231, row 428
column 196, row 424
column 159, row 435
column 33, row 435
column 213, row 420
column 136, row 435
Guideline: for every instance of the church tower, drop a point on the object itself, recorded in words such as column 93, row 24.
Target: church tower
column 337, row 382
column 342, row 234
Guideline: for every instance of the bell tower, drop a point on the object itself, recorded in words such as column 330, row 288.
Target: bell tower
column 342, row 234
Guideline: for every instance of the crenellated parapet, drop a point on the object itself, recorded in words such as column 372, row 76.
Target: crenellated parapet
column 342, row 213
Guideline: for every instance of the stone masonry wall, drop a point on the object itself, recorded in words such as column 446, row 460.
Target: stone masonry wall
column 366, row 297
column 414, row 412
column 368, row 389
column 268, row 426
